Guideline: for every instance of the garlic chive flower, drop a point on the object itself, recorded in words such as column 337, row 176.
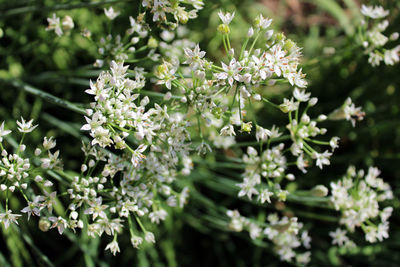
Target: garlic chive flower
column 111, row 13
column 357, row 196
column 26, row 126
column 3, row 132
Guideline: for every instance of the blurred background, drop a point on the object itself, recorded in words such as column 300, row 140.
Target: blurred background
column 31, row 57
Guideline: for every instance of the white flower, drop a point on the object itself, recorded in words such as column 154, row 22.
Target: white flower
column 54, row 24
column 59, row 222
column 157, row 216
column 374, row 12
column 111, row 13
column 371, row 233
column 194, row 57
column 277, row 60
column 275, row 132
column 26, row 127
column 3, row 132
column 382, row 231
column 352, row 113
column 288, row 105
column 113, row 247
column 31, row 209
column 254, row 231
column 247, row 187
column 386, row 213
column 137, row 156
column 339, row 237
column 7, row 218
column 301, row 95
column 231, row 72
column 136, row 241
column 265, row 196
column 227, row 17
column 374, row 59
column 261, row 22
column 392, row 56
column 334, row 142
column 227, row 130
column 322, row 158
column 262, row 134
column 49, row 143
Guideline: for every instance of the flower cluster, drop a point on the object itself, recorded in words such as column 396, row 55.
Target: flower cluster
column 287, row 234
column 374, row 40
column 270, row 165
column 60, row 26
column 357, row 196
column 161, row 9
column 120, row 191
column 141, row 139
column 20, row 174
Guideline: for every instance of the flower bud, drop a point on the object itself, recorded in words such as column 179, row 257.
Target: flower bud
column 183, row 17
column 257, row 97
column 250, row 32
column 224, row 29
column 313, row 101
column 44, row 225
column 319, row 191
column 67, row 23
column 135, row 40
column 289, row 44
column 290, row 177
column 279, row 37
column 394, row 36
column 167, row 96
column 322, row 117
column 269, row 34
column 152, row 43
column 37, row 151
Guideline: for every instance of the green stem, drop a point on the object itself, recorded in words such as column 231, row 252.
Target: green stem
column 272, row 104
column 46, row 96
column 243, row 48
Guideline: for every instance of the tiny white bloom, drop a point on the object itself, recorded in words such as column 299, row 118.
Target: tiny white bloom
column 227, row 17
column 26, row 127
column 111, row 13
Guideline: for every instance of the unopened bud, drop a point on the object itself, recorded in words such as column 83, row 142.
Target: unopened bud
column 67, row 23
column 44, row 225
column 312, row 101
column 223, row 28
column 250, row 32
column 319, row 191
column 152, row 43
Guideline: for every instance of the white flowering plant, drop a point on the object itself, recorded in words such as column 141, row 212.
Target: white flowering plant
column 172, row 138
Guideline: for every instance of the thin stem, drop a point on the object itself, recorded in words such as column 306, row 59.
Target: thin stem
column 243, row 48
column 272, row 104
column 254, row 42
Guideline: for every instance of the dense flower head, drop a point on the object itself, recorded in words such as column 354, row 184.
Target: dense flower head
column 357, row 196
column 374, row 39
column 160, row 109
column 286, row 234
